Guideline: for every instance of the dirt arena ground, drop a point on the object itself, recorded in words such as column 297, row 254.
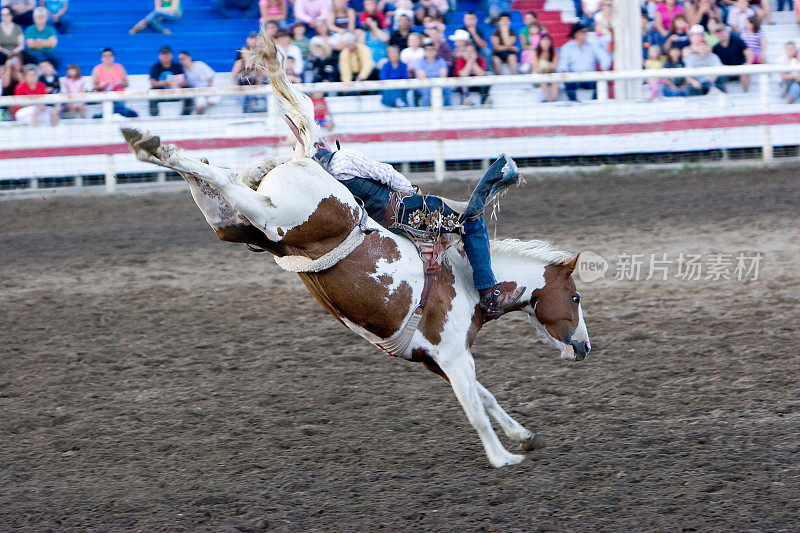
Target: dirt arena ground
column 154, row 378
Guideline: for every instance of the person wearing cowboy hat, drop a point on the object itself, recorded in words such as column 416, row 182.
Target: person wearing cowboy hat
column 580, row 55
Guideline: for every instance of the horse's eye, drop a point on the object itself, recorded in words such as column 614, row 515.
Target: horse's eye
column 576, row 298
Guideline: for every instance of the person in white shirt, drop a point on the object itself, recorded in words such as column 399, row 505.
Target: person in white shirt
column 198, row 75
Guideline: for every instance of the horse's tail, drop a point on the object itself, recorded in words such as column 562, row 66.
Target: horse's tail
column 294, row 104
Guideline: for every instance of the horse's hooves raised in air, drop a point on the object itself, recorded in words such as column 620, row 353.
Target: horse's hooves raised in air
column 149, row 144
column 534, row 443
column 131, row 135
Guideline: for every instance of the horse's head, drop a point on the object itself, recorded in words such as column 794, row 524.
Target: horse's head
column 555, row 311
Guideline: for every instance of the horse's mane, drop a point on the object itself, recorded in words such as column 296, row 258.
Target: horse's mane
column 535, row 250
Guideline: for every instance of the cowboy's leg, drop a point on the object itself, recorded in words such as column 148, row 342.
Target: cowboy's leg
column 476, row 246
column 460, row 370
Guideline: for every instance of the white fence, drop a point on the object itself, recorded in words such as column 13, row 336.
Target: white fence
column 438, row 138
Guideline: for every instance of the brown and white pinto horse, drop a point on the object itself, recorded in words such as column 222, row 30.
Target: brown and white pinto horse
column 371, row 279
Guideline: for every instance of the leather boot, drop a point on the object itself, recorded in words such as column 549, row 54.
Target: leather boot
column 496, row 300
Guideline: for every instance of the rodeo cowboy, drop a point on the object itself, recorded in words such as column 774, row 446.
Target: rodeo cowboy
column 390, row 199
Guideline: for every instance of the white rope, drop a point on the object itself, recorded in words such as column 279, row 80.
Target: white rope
column 299, row 263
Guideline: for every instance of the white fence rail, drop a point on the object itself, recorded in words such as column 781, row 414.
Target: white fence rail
column 436, row 136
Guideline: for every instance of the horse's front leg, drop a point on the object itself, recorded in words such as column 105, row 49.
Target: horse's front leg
column 515, row 431
column 460, row 371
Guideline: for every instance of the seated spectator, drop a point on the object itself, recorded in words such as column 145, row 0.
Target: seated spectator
column 435, row 20
column 675, row 86
column 790, row 80
column 300, row 40
column 275, row 10
column 753, row 36
column 11, row 73
column 311, row 11
column 289, row 68
column 394, row 69
column 371, row 9
column 739, row 12
column 286, row 49
column 431, row 66
column 495, row 9
column 166, row 74
column 696, row 33
column 341, row 18
column 424, row 9
column 654, row 63
column 334, row 39
column 23, row 11
column 678, row 33
column 271, row 28
column 460, row 40
column 198, row 75
column 714, row 27
column 476, row 35
column 73, row 84
column 41, row 39
column 650, row 35
column 528, row 41
column 48, row 76
column 12, row 39
column 412, row 53
column 57, row 10
column 324, row 67
column 322, row 114
column 111, row 76
column 579, row 55
column 701, row 56
column 443, row 49
column 665, row 12
column 701, row 11
column 545, row 61
column 33, row 114
column 375, row 39
column 404, row 9
column 470, row 65
column 248, row 8
column 399, row 37
column 731, row 50
column 164, row 11
column 355, row 61
column 760, row 8
column 504, row 47
column 242, row 76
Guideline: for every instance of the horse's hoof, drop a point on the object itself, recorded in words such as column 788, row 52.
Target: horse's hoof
column 507, row 460
column 149, row 144
column 534, row 443
column 131, row 135
column 204, row 160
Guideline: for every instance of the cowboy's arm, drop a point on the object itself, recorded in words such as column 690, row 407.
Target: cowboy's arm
column 352, row 163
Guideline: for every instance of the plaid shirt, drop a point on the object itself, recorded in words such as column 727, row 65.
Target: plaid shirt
column 348, row 164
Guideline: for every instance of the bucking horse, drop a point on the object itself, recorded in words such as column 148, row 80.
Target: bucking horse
column 370, row 279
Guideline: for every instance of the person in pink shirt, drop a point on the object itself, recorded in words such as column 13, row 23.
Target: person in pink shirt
column 310, row 11
column 665, row 12
column 73, row 84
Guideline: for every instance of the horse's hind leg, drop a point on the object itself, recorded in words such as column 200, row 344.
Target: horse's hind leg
column 515, row 431
column 460, row 370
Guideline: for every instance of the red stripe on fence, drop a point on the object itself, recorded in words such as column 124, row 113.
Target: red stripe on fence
column 443, row 135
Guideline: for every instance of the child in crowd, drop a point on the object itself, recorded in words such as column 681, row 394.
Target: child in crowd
column 753, row 37
column 321, row 113
column 675, row 86
column 73, row 84
column 653, row 61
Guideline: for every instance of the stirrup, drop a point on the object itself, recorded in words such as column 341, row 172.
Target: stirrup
column 496, row 303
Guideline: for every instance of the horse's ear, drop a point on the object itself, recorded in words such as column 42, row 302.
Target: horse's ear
column 535, row 295
column 569, row 268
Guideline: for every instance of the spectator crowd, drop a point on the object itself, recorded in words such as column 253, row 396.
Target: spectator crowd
column 351, row 41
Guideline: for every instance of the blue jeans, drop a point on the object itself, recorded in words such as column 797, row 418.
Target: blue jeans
column 425, row 96
column 155, row 18
column 669, row 91
column 376, row 196
column 390, row 97
column 572, row 88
